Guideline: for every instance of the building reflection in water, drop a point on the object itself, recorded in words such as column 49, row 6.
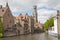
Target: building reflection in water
column 41, row 36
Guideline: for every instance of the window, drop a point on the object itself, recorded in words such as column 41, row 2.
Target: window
column 7, row 25
column 50, row 28
column 53, row 29
column 2, row 10
column 10, row 21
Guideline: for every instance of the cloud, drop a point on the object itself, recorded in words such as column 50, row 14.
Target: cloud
column 54, row 4
column 45, row 14
column 22, row 4
column 50, row 4
column 46, row 7
column 27, row 4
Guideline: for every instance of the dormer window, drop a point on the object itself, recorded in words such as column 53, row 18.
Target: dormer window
column 2, row 10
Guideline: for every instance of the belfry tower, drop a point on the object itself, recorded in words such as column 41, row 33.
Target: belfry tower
column 35, row 14
column 58, row 22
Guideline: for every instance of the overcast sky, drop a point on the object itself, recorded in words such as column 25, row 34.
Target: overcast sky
column 46, row 8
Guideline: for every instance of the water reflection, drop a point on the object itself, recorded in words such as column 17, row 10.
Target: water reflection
column 41, row 36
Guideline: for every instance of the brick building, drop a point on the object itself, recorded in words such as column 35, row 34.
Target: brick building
column 21, row 24
column 29, row 22
column 7, row 18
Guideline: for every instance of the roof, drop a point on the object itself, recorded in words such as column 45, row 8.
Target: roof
column 22, row 16
column 2, row 11
column 38, row 24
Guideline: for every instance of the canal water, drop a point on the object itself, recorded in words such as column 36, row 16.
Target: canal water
column 41, row 36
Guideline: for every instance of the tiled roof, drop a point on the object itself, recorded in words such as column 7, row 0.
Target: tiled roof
column 22, row 16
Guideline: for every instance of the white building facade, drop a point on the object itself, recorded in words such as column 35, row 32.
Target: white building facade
column 53, row 30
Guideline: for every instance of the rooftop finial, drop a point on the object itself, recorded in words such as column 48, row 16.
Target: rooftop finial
column 7, row 4
column 0, row 6
column 26, row 13
column 20, row 14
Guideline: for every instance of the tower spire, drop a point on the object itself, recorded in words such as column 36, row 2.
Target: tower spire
column 35, row 13
column 7, row 4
